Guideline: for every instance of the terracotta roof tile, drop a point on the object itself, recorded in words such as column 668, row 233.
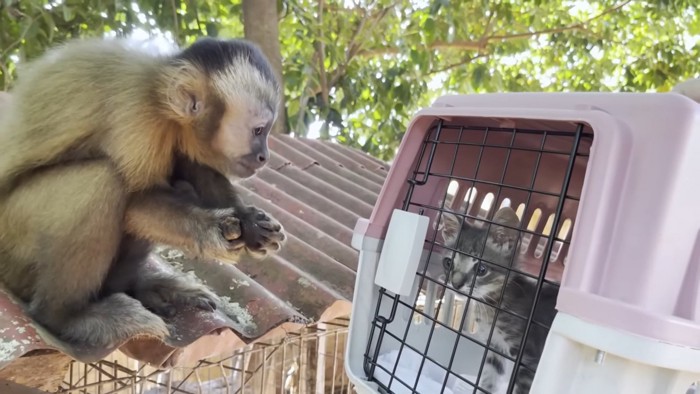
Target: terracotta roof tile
column 317, row 190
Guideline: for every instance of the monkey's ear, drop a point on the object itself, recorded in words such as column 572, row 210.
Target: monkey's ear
column 186, row 91
column 189, row 104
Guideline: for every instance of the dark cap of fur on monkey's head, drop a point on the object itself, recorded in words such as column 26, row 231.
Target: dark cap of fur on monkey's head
column 235, row 65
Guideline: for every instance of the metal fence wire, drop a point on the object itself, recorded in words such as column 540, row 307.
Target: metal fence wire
column 539, row 175
column 309, row 361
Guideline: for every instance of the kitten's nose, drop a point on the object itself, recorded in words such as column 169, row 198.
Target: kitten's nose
column 458, row 280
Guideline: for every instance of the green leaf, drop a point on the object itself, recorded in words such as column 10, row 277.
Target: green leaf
column 380, row 75
column 429, row 28
column 478, row 75
column 50, row 25
column 212, row 29
column 68, row 13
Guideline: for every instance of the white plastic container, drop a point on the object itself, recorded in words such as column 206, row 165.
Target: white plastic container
column 628, row 307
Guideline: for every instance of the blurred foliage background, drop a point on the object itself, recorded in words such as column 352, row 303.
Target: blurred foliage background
column 357, row 70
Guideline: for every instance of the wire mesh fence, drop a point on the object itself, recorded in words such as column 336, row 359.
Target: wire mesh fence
column 309, row 361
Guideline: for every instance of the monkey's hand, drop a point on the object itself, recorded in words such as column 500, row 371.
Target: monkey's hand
column 249, row 229
column 261, row 234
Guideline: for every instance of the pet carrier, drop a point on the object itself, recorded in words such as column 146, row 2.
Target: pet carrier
column 555, row 232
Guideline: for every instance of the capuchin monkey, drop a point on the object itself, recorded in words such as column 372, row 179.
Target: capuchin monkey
column 106, row 150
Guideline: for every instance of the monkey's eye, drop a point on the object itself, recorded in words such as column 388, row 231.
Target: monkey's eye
column 481, row 270
column 447, row 263
column 258, row 130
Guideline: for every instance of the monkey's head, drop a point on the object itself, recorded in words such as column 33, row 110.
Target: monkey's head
column 225, row 97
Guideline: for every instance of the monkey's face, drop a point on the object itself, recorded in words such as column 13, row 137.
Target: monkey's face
column 226, row 92
column 242, row 137
column 231, row 130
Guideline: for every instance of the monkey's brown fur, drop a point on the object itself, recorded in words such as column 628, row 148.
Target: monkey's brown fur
column 89, row 146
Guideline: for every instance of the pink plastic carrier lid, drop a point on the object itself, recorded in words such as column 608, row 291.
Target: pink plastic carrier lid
column 633, row 259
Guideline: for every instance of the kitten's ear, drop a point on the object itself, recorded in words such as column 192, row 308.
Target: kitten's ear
column 505, row 235
column 451, row 225
column 448, row 201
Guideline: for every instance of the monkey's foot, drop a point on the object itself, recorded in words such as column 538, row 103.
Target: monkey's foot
column 262, row 234
column 111, row 321
column 164, row 295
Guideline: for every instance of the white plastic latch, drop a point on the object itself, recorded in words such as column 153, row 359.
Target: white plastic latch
column 401, row 253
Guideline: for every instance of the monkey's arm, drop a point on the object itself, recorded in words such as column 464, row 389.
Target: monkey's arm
column 212, row 189
column 260, row 233
column 167, row 216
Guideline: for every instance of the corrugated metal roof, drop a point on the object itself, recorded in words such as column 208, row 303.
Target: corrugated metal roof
column 317, row 190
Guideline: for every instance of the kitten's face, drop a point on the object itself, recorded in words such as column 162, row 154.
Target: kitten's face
column 480, row 254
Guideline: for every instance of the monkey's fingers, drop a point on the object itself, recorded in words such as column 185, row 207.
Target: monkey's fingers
column 274, row 246
column 273, row 236
column 269, row 225
column 236, row 244
column 230, row 228
column 267, row 246
column 261, row 215
column 257, row 253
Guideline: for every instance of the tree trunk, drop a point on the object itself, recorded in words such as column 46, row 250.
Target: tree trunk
column 260, row 24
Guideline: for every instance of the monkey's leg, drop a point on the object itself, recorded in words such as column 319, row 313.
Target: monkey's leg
column 260, row 233
column 67, row 222
column 160, row 289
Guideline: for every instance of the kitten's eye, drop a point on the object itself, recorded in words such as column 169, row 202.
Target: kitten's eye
column 258, row 130
column 481, row 270
column 447, row 263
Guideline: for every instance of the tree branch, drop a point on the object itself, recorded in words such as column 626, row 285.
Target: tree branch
column 355, row 44
column 193, row 5
column 462, row 62
column 479, row 45
column 464, row 45
column 176, row 22
column 353, row 48
column 489, row 25
column 323, row 79
column 5, row 75
column 321, row 48
column 17, row 42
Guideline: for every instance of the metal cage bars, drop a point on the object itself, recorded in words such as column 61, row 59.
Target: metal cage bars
column 421, row 177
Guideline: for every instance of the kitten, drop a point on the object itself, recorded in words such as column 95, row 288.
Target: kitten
column 475, row 263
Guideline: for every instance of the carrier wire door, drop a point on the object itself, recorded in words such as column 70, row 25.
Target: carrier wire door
column 536, row 173
column 549, row 245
